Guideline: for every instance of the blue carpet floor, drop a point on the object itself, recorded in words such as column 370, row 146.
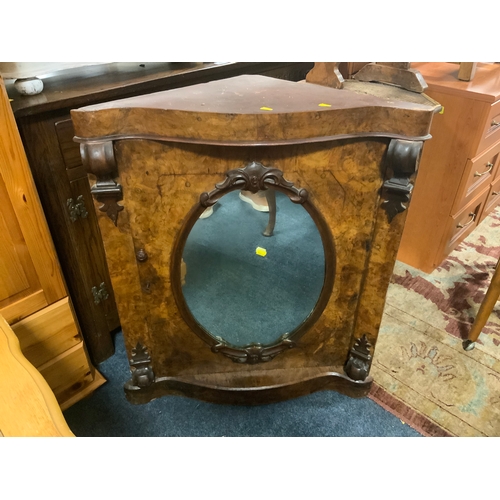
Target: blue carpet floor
column 108, row 413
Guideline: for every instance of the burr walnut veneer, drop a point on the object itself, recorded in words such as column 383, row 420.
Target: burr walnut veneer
column 346, row 156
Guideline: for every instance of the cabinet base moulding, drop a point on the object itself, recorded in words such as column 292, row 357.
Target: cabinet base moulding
column 268, row 387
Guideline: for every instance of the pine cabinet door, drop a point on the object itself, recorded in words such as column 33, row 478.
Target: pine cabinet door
column 30, row 277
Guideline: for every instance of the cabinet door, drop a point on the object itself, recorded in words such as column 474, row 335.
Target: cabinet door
column 30, row 277
column 85, row 230
column 93, row 263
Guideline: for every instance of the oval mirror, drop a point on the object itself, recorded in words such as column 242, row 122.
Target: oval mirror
column 245, row 288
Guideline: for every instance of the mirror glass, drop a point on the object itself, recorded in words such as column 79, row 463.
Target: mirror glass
column 245, row 287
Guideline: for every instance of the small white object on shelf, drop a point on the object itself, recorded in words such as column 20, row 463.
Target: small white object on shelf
column 27, row 74
column 28, row 86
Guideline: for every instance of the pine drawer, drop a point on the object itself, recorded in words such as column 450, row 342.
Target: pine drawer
column 47, row 333
column 71, row 376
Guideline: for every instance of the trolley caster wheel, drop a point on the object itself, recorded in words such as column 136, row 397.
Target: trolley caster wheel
column 468, row 345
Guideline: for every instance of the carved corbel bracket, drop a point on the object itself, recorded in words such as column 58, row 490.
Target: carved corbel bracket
column 360, row 359
column 99, row 159
column 141, row 368
column 403, row 157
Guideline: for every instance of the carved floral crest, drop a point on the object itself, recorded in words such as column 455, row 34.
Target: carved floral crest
column 254, row 177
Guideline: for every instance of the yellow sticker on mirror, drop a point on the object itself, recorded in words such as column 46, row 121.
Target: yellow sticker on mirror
column 261, row 251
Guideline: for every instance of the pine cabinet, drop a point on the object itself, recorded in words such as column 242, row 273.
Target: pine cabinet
column 33, row 297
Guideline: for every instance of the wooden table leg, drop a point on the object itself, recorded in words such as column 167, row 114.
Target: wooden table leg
column 271, row 202
column 485, row 309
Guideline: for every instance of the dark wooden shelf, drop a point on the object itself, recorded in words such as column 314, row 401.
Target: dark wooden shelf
column 91, row 84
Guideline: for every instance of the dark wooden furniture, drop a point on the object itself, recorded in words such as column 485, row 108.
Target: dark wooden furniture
column 459, row 178
column 62, row 183
column 345, row 156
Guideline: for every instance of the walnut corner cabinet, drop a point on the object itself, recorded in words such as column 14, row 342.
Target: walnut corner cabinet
column 251, row 226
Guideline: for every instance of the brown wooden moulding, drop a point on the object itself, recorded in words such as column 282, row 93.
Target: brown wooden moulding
column 225, row 113
column 347, row 156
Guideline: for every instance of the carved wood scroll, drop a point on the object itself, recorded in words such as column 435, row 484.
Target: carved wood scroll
column 403, row 157
column 360, row 359
column 140, row 365
column 254, row 177
column 99, row 159
column 254, row 353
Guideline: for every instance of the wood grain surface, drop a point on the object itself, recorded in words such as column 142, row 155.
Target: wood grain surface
column 341, row 193
column 48, row 333
column 162, row 179
column 224, row 112
column 28, row 407
column 17, row 184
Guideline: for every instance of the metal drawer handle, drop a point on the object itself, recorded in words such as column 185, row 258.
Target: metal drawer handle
column 495, row 193
column 473, row 215
column 489, row 166
column 495, row 123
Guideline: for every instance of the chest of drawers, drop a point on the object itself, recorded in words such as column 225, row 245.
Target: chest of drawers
column 459, row 176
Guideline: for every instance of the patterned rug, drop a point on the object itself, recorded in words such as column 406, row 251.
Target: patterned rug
column 421, row 372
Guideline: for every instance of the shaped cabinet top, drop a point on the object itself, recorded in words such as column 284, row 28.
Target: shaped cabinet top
column 259, row 110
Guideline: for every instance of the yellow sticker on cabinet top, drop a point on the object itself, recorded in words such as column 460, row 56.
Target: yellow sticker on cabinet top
column 261, row 251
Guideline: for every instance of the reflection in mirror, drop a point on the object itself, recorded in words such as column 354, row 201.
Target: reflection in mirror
column 236, row 293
